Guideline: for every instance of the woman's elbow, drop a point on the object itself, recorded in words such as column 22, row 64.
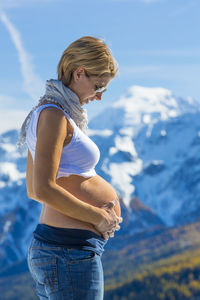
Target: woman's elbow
column 41, row 191
column 33, row 196
column 29, row 194
column 29, row 190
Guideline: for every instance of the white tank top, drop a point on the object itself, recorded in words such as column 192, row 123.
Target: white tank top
column 79, row 157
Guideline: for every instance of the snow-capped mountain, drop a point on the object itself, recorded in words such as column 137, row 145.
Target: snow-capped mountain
column 150, row 144
column 18, row 214
column 151, row 149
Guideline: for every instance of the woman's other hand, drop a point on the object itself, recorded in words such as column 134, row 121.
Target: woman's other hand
column 110, row 221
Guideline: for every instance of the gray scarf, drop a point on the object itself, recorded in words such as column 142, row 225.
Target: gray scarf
column 58, row 93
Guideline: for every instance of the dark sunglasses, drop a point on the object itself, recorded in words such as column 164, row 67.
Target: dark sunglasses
column 97, row 89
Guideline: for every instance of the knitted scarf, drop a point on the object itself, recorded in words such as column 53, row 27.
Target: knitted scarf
column 56, row 92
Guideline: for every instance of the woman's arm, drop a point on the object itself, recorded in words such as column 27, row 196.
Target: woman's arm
column 29, row 177
column 51, row 133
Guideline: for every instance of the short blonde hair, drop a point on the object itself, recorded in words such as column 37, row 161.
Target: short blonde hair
column 90, row 53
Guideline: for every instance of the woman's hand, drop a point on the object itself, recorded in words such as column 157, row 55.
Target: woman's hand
column 110, row 221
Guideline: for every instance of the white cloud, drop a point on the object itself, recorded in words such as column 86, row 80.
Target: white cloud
column 11, row 119
column 32, row 83
column 5, row 100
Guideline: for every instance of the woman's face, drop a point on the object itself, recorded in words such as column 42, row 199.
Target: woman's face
column 86, row 87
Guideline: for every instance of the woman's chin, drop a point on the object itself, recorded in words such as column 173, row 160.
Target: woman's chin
column 86, row 101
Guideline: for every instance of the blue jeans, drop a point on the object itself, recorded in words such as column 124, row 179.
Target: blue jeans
column 62, row 273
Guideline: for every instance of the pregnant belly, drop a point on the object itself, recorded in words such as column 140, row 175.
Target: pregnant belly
column 95, row 191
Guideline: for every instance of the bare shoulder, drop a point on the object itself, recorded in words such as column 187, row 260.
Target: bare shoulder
column 51, row 134
column 51, row 119
column 52, row 113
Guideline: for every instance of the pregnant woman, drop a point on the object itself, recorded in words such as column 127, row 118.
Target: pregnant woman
column 80, row 210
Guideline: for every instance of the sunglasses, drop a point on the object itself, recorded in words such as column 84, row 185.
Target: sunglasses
column 97, row 89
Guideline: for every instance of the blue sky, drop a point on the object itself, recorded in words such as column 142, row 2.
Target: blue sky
column 156, row 43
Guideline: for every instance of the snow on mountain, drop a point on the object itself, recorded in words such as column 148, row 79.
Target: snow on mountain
column 142, row 106
column 169, row 181
column 18, row 214
column 150, row 144
column 154, row 138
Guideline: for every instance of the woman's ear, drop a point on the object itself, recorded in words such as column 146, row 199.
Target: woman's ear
column 78, row 73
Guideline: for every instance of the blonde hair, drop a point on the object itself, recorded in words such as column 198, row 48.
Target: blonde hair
column 90, row 53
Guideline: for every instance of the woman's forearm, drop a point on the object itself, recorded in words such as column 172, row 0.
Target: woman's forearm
column 63, row 201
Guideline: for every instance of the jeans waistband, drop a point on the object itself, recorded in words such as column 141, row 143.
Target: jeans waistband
column 70, row 237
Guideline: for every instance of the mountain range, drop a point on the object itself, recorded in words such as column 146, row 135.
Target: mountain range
column 150, row 143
